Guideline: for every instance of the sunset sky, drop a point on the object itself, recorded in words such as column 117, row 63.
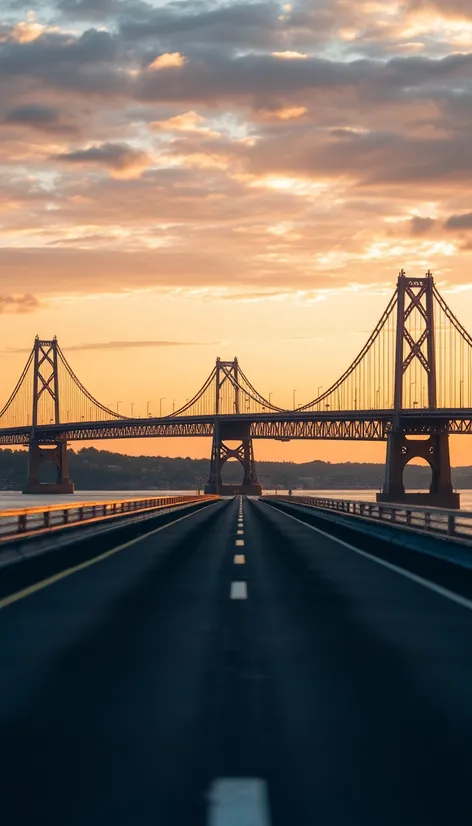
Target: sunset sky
column 187, row 180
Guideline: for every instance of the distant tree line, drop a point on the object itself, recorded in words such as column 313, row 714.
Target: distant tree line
column 93, row 469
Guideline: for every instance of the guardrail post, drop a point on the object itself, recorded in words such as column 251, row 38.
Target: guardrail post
column 408, row 517
column 427, row 520
column 381, row 513
column 46, row 519
column 65, row 514
column 451, row 524
column 393, row 515
column 22, row 523
column 81, row 513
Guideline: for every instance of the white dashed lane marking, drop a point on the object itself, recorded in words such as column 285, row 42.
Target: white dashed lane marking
column 239, row 542
column 238, row 590
column 238, row 801
column 239, row 559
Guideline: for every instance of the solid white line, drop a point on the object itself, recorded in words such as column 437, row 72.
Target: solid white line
column 426, row 583
column 38, row 586
column 239, row 559
column 238, row 590
column 238, row 801
column 239, row 542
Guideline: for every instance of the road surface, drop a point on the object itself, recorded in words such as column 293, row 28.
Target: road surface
column 236, row 667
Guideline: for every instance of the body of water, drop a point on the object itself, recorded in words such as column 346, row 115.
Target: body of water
column 14, row 500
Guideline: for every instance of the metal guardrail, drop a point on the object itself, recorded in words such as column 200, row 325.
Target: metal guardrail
column 38, row 520
column 457, row 524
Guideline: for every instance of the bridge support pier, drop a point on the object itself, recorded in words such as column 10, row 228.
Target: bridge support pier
column 244, row 453
column 37, row 456
column 435, row 450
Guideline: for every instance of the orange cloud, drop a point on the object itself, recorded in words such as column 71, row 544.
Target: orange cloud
column 172, row 60
column 285, row 112
column 289, row 55
column 190, row 122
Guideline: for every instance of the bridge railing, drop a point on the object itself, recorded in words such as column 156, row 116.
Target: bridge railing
column 40, row 519
column 457, row 524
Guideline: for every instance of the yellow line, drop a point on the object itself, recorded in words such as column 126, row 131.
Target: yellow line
column 38, row 586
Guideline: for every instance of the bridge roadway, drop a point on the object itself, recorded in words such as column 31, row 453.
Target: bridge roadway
column 129, row 686
column 367, row 425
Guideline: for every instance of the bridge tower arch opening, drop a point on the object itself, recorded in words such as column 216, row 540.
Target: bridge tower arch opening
column 243, row 452
column 232, row 470
column 415, row 482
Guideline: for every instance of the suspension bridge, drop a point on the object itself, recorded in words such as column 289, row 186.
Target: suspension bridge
column 418, row 343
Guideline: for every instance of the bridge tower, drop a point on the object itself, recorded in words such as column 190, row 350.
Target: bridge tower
column 227, row 388
column 46, row 391
column 415, row 296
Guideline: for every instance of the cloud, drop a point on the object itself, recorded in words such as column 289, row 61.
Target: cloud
column 447, row 8
column 235, row 148
column 459, row 221
column 26, row 303
column 26, row 31
column 290, row 55
column 124, row 161
column 90, row 9
column 421, row 226
column 284, row 112
column 187, row 122
column 173, row 60
column 123, row 345
column 40, row 117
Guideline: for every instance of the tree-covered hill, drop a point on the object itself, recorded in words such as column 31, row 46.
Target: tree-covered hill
column 93, row 469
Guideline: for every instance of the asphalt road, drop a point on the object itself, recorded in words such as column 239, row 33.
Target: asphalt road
column 204, row 677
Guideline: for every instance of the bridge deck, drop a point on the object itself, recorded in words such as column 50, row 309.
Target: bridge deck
column 238, row 644
column 367, row 425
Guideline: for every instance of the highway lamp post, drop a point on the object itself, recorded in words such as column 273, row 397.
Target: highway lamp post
column 320, row 387
column 270, row 396
column 294, row 392
column 173, row 405
column 163, row 398
column 117, row 407
column 148, row 409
